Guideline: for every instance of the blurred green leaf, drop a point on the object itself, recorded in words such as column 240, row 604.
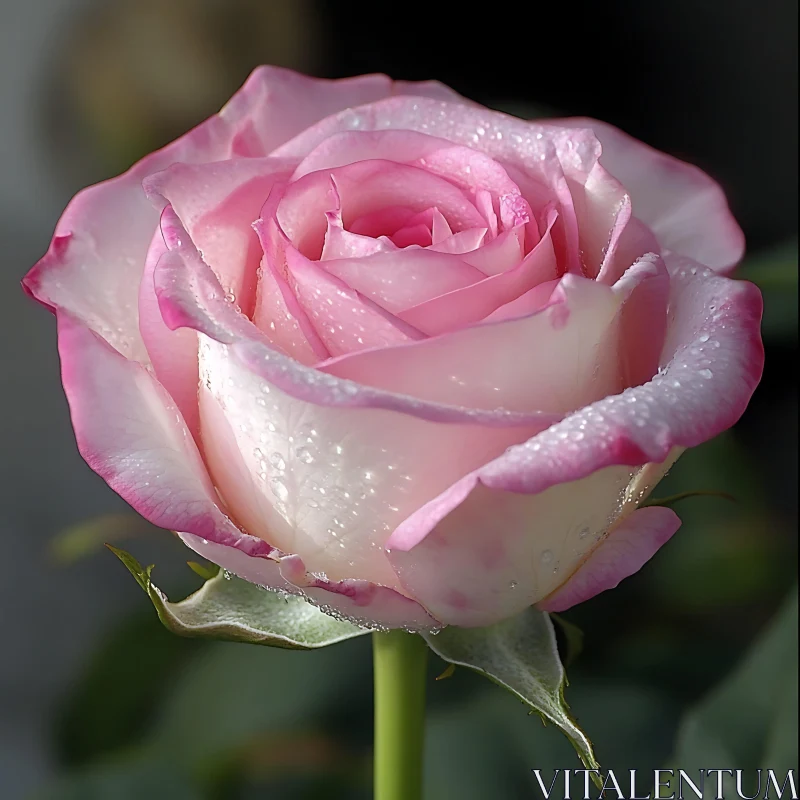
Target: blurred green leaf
column 521, row 655
column 116, row 698
column 232, row 696
column 124, row 781
column 750, row 720
column 775, row 273
column 84, row 538
column 469, row 752
column 231, row 609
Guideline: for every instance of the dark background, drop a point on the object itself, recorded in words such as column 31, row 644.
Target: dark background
column 95, row 698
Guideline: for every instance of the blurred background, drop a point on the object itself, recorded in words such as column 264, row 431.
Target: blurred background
column 692, row 659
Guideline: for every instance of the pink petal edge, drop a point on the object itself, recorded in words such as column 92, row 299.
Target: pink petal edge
column 625, row 550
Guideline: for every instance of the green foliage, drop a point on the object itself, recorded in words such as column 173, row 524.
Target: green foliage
column 231, row 609
column 519, row 654
column 750, row 720
column 115, row 700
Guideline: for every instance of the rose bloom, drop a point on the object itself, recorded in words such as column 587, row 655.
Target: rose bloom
column 416, row 360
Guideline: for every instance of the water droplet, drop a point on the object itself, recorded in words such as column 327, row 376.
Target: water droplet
column 513, row 585
column 706, row 373
column 276, row 459
column 547, row 557
column 304, row 455
column 279, row 489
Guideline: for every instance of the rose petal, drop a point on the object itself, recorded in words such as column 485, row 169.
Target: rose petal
column 362, row 188
column 683, row 206
column 711, row 362
column 339, row 318
column 361, row 602
column 130, row 432
column 280, row 102
column 282, row 319
column 382, row 452
column 217, row 204
column 319, row 481
column 627, row 548
column 556, row 360
column 462, row 242
column 94, row 265
column 344, row 320
column 476, row 555
column 340, row 243
column 173, row 354
column 470, row 304
column 526, row 151
column 404, row 278
column 467, row 168
column 190, row 296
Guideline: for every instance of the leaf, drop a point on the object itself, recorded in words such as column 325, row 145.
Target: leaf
column 469, row 752
column 231, row 609
column 114, row 700
column 232, row 697
column 521, row 655
column 205, row 571
column 750, row 720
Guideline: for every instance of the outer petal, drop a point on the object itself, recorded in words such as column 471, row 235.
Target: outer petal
column 684, row 207
column 627, row 548
column 710, row 365
column 284, row 102
column 94, row 265
column 477, row 554
column 131, row 433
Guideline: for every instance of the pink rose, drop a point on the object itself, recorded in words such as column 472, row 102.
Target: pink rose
column 416, row 360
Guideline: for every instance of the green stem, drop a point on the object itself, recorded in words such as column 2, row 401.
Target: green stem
column 400, row 660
